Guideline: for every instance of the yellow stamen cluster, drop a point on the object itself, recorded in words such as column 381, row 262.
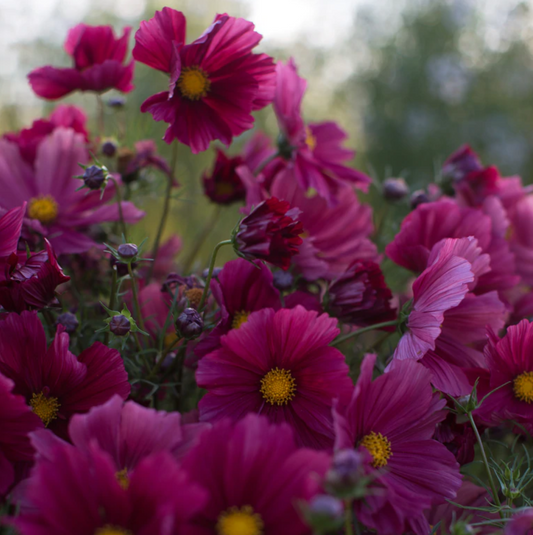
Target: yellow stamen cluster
column 193, row 83
column 239, row 318
column 523, row 387
column 310, row 139
column 194, row 295
column 46, row 408
column 112, row 530
column 43, row 208
column 379, row 447
column 278, row 387
column 240, row 521
column 123, row 478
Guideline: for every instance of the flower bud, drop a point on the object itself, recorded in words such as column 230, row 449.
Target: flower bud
column 109, row 148
column 119, row 325
column 94, row 177
column 127, row 250
column 395, row 189
column 69, row 322
column 418, row 197
column 325, row 513
column 116, row 102
column 283, row 280
column 189, row 324
column 347, row 468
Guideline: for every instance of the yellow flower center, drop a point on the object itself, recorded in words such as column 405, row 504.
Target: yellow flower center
column 278, row 386
column 379, row 447
column 239, row 521
column 239, row 318
column 194, row 295
column 224, row 188
column 523, row 387
column 44, row 407
column 193, row 83
column 43, row 208
column 123, row 478
column 112, row 530
column 310, row 139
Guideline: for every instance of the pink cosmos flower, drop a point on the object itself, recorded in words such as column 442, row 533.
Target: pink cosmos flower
column 394, row 418
column 278, row 364
column 334, row 237
column 508, row 360
column 215, row 82
column 55, row 383
column 255, row 475
column 314, row 153
column 10, row 228
column 29, row 282
column 72, row 491
column 59, row 211
column 98, row 64
column 16, row 422
column 521, row 523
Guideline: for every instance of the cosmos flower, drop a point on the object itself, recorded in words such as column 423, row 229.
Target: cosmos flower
column 57, row 210
column 55, row 383
column 394, row 418
column 278, row 364
column 521, row 523
column 270, row 233
column 255, row 475
column 73, row 491
column 215, row 82
column 98, row 64
column 16, row 422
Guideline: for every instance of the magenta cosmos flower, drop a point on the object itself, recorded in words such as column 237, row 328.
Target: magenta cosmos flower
column 314, row 153
column 16, row 422
column 271, row 233
column 55, row 383
column 278, row 364
column 10, row 227
column 58, row 211
column 255, row 475
column 98, row 64
column 508, row 360
column 72, row 491
column 394, row 418
column 215, row 82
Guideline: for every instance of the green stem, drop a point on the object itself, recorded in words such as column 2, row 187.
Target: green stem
column 210, row 272
column 112, row 297
column 166, row 209
column 201, row 239
column 120, row 212
column 348, row 518
column 485, row 462
column 136, row 297
column 353, row 334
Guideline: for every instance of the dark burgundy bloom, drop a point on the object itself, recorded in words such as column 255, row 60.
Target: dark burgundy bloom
column 457, row 437
column 360, row 296
column 215, row 82
column 271, row 233
column 30, row 282
column 98, row 64
column 225, row 186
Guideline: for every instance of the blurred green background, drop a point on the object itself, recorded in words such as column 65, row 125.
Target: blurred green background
column 409, row 80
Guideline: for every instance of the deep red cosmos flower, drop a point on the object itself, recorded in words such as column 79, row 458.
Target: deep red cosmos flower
column 215, row 82
column 98, row 64
column 278, row 364
column 10, row 227
column 360, row 296
column 72, row 491
column 255, row 476
column 394, row 418
column 29, row 282
column 55, row 383
column 270, row 233
column 16, row 422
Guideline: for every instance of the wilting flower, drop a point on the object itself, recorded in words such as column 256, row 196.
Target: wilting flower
column 278, row 364
column 458, row 437
column 29, row 281
column 56, row 209
column 215, row 82
column 508, row 360
column 270, row 233
column 10, row 227
column 98, row 64
column 394, row 418
column 255, row 476
column 16, row 422
column 73, row 491
column 55, row 383
column 315, row 155
column 360, row 296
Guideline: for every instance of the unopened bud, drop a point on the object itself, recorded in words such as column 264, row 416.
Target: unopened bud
column 325, row 513
column 189, row 324
column 216, row 272
column 127, row 250
column 116, row 102
column 69, row 322
column 109, row 148
column 418, row 197
column 283, row 280
column 119, row 325
column 395, row 189
column 94, row 177
column 347, row 468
